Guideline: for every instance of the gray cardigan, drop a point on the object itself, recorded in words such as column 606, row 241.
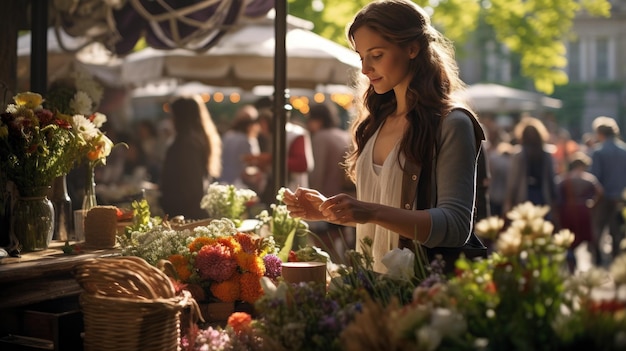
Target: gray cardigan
column 453, row 180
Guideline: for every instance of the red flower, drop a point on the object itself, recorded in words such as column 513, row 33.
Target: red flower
column 215, row 262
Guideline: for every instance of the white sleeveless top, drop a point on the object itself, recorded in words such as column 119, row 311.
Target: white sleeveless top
column 378, row 184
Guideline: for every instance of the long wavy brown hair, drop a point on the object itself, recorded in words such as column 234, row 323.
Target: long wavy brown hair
column 193, row 120
column 435, row 78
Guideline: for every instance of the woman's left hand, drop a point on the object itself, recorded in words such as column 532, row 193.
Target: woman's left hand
column 345, row 209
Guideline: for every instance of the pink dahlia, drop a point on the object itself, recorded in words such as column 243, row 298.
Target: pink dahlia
column 215, row 262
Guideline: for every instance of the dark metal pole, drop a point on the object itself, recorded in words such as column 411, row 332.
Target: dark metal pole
column 39, row 46
column 280, row 85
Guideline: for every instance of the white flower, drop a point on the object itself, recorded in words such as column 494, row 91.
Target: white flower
column 564, row 238
column 226, row 201
column 400, row 263
column 509, row 243
column 448, row 322
column 11, row 108
column 428, row 338
column 527, row 211
column 489, row 227
column 99, row 119
column 81, row 103
column 86, row 129
column 273, row 291
column 618, row 269
column 86, row 83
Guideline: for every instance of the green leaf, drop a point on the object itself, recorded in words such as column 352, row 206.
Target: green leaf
column 284, row 252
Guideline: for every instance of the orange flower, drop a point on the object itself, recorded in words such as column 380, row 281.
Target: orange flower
column 198, row 243
column 247, row 242
column 250, row 263
column 239, row 321
column 228, row 290
column 231, row 243
column 181, row 265
column 251, row 289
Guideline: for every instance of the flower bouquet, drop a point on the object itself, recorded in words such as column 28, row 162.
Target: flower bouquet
column 227, row 201
column 285, row 229
column 34, row 143
column 216, row 263
column 77, row 97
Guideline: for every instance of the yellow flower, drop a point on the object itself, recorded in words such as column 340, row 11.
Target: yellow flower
column 28, row 99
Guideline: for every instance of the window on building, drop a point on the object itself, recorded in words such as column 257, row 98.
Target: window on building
column 602, row 59
column 573, row 61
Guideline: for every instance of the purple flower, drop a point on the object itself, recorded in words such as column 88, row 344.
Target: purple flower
column 273, row 266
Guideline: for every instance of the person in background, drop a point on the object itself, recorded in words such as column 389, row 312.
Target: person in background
column 499, row 166
column 531, row 177
column 608, row 164
column 330, row 145
column 147, row 140
column 579, row 191
column 415, row 147
column 239, row 143
column 192, row 161
column 299, row 156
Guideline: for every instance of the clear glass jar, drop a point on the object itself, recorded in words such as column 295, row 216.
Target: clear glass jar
column 33, row 219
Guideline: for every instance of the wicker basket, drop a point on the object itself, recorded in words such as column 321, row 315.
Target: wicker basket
column 129, row 305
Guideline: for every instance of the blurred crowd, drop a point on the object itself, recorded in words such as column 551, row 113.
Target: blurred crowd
column 172, row 161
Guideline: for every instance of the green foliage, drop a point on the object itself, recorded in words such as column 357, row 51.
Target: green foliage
column 142, row 220
column 534, row 29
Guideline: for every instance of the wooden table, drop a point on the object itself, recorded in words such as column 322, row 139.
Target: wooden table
column 39, row 298
column 42, row 275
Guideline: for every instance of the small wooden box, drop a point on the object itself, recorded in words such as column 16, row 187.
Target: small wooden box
column 58, row 321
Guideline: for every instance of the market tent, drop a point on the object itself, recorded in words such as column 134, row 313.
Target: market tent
column 244, row 57
column 494, row 98
column 66, row 53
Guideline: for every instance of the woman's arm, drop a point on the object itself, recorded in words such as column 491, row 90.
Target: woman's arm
column 448, row 224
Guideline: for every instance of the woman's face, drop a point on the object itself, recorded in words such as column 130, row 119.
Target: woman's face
column 385, row 64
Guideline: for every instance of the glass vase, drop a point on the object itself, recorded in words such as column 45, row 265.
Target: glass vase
column 89, row 199
column 33, row 219
column 62, row 209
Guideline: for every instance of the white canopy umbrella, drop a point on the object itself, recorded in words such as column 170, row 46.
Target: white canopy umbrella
column 494, row 98
column 65, row 53
column 245, row 58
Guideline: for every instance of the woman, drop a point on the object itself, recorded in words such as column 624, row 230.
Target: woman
column 531, row 176
column 240, row 143
column 408, row 139
column 193, row 160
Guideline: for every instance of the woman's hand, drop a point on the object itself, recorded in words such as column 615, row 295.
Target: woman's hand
column 344, row 209
column 304, row 203
column 311, row 205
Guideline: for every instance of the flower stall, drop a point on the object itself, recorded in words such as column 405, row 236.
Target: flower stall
column 522, row 297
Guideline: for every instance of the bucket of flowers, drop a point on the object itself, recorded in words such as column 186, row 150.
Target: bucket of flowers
column 217, row 263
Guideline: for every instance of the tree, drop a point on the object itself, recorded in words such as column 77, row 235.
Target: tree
column 536, row 30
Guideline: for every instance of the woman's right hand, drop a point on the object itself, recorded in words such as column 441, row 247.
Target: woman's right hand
column 304, row 203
